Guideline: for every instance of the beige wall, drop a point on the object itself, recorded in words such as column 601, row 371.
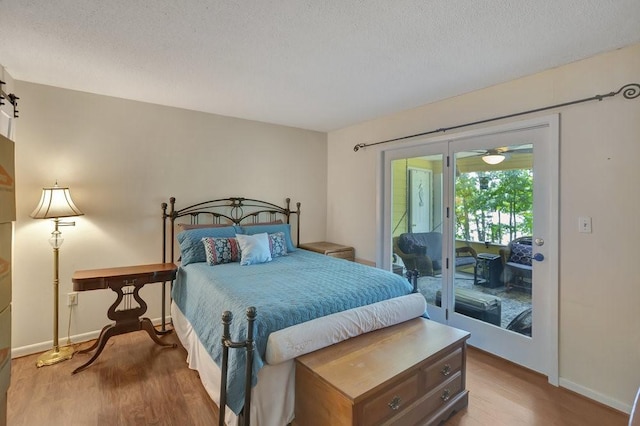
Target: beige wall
column 599, row 175
column 122, row 159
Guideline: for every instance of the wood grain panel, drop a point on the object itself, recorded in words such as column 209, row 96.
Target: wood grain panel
column 7, row 181
column 6, row 236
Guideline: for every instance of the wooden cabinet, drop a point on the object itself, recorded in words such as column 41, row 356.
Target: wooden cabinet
column 331, row 249
column 7, row 215
column 408, row 374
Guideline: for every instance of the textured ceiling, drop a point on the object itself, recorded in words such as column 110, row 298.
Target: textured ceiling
column 314, row 64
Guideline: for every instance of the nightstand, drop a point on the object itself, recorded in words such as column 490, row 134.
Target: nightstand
column 126, row 282
column 331, row 249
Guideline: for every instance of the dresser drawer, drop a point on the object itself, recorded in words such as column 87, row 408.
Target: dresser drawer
column 5, row 335
column 442, row 369
column 125, row 281
column 430, row 408
column 5, row 360
column 6, row 232
column 440, row 396
column 390, row 402
column 7, row 181
column 5, row 377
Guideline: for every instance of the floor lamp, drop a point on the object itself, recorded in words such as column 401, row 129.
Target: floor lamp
column 56, row 203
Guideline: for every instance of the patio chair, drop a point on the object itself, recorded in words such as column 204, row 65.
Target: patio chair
column 516, row 261
column 422, row 251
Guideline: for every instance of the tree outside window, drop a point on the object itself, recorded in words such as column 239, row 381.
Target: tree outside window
column 494, row 206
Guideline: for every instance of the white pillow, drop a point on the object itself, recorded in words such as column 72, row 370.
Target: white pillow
column 254, row 248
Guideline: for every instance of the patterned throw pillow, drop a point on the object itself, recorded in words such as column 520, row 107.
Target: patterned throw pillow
column 277, row 244
column 221, row 250
column 520, row 253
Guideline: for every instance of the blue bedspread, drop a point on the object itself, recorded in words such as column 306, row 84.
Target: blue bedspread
column 286, row 291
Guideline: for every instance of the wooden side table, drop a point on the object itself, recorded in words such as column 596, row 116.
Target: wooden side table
column 126, row 282
column 331, row 249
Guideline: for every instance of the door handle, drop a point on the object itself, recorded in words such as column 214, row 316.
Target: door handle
column 539, row 257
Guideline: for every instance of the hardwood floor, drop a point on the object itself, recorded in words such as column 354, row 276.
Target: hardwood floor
column 503, row 393
column 136, row 382
column 133, row 382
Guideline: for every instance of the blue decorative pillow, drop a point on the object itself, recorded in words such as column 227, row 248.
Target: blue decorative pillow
column 520, row 253
column 271, row 229
column 277, row 244
column 221, row 250
column 254, row 249
column 190, row 241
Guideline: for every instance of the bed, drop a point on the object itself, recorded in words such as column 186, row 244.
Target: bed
column 304, row 300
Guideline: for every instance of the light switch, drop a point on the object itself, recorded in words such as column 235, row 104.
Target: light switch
column 584, row 224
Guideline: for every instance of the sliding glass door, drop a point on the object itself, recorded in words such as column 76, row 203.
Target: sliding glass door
column 476, row 216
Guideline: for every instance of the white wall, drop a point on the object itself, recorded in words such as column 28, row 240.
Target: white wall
column 600, row 150
column 122, row 159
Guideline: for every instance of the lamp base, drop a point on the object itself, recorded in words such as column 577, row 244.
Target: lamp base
column 55, row 356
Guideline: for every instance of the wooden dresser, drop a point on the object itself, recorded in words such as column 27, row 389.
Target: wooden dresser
column 331, row 249
column 408, row 374
column 7, row 216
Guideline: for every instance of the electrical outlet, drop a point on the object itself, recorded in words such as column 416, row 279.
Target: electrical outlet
column 72, row 299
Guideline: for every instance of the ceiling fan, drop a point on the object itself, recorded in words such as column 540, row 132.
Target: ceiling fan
column 498, row 155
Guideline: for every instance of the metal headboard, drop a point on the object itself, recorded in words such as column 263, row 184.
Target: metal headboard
column 234, row 210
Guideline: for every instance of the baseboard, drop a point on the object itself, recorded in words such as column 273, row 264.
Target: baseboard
column 75, row 339
column 596, row 396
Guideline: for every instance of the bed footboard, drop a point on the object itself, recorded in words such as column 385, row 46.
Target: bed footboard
column 248, row 345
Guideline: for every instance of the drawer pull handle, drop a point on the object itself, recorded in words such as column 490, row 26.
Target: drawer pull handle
column 445, row 395
column 395, row 403
column 446, row 370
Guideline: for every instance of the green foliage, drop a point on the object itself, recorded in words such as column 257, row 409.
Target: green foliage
column 494, row 206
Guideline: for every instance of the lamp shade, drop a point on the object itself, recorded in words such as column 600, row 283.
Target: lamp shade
column 55, row 202
column 493, row 158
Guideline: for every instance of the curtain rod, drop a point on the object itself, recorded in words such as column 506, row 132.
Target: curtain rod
column 629, row 91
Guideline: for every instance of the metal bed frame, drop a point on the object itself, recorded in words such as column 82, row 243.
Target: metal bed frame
column 232, row 211
column 225, row 211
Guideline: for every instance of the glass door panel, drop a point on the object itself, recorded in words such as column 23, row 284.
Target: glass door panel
column 493, row 228
column 417, row 221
